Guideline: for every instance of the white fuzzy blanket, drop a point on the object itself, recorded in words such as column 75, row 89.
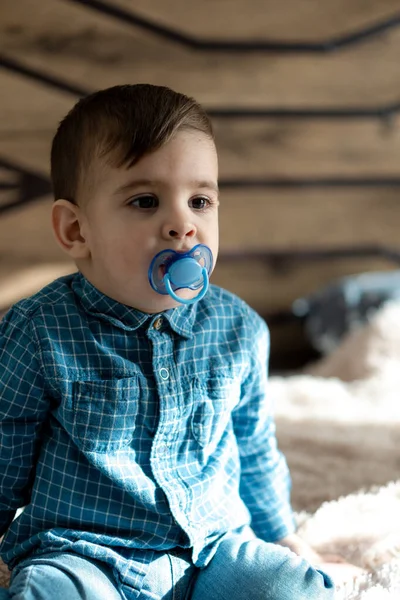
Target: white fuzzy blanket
column 339, row 426
column 365, row 529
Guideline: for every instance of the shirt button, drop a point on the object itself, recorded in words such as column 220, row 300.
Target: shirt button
column 158, row 323
column 164, row 374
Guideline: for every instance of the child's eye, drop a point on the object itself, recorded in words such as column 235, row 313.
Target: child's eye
column 144, row 202
column 200, row 203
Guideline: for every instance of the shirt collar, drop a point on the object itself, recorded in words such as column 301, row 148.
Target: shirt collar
column 180, row 319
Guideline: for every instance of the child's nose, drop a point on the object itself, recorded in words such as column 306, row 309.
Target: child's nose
column 178, row 228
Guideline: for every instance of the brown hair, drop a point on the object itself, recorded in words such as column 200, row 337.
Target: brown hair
column 121, row 123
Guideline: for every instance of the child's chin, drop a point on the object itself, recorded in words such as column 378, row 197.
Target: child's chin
column 155, row 302
column 167, row 302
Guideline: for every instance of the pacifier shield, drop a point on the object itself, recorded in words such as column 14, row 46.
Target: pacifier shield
column 184, row 269
column 185, row 273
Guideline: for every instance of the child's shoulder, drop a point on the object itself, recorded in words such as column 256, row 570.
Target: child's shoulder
column 218, row 295
column 228, row 304
column 58, row 294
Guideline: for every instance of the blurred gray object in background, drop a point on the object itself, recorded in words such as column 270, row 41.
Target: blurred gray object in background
column 344, row 305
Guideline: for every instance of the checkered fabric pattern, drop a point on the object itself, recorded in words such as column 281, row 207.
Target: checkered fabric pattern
column 124, row 434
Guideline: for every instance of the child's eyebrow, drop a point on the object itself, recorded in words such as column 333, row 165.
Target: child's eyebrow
column 134, row 184
column 210, row 185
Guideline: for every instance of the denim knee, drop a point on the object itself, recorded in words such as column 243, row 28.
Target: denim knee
column 296, row 578
column 255, row 569
column 62, row 575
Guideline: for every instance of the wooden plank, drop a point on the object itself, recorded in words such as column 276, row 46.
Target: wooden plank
column 249, row 149
column 269, row 291
column 26, row 238
column 30, row 116
column 264, row 18
column 24, row 282
column 280, row 219
column 93, row 51
column 293, row 148
column 311, row 219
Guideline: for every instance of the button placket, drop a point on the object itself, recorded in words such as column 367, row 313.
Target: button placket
column 164, row 440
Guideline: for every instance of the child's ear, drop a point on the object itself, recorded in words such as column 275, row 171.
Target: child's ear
column 66, row 219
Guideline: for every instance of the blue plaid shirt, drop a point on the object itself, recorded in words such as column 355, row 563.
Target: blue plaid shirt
column 125, row 434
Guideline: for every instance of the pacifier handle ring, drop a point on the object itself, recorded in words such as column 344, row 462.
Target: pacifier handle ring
column 199, row 296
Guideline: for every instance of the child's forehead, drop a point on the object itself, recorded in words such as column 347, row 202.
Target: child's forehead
column 155, row 166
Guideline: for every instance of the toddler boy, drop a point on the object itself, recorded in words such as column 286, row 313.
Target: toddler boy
column 136, row 429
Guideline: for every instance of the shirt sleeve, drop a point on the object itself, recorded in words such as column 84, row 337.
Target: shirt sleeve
column 265, row 480
column 23, row 409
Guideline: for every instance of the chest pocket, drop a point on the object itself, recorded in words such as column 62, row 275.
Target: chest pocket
column 213, row 402
column 104, row 413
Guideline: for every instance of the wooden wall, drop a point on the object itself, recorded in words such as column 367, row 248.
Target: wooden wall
column 88, row 50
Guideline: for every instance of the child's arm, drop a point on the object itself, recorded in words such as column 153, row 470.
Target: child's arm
column 265, row 479
column 23, row 408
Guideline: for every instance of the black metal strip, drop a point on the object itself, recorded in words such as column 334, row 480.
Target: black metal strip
column 18, row 203
column 329, row 112
column 314, row 182
column 312, row 254
column 196, row 43
column 41, row 77
column 30, row 186
column 8, row 186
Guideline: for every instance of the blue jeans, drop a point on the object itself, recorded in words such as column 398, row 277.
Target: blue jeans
column 242, row 569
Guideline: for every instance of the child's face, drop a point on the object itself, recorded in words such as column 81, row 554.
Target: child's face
column 169, row 199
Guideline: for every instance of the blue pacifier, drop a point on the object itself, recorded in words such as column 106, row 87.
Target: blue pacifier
column 170, row 271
